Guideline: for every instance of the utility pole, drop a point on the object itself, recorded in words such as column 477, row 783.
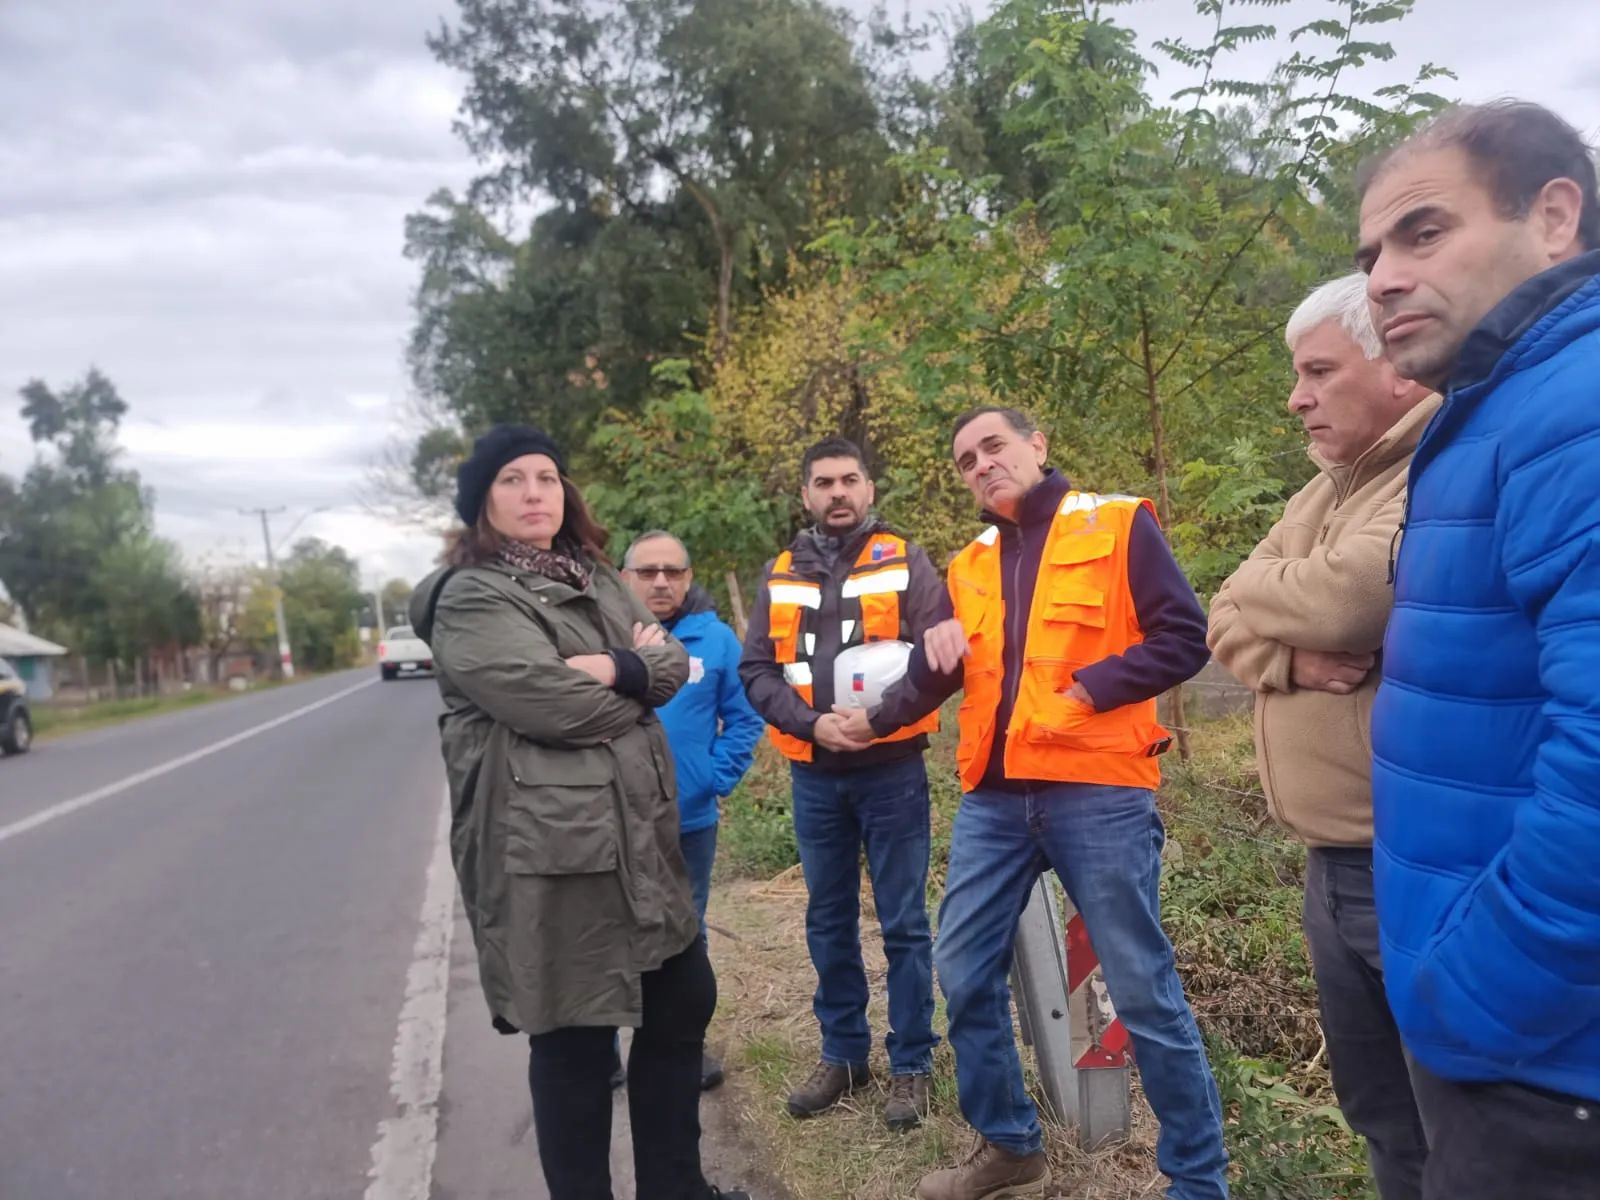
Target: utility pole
column 285, row 659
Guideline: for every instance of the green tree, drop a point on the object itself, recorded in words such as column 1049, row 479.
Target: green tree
column 1128, row 283
column 224, row 593
column 681, row 150
column 78, row 552
column 321, row 599
column 396, row 598
column 70, row 506
column 669, row 469
column 146, row 602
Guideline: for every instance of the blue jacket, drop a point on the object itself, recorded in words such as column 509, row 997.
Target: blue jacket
column 1486, row 730
column 710, row 725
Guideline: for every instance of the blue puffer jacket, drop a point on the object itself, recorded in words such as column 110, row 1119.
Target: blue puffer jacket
column 710, row 725
column 1486, row 731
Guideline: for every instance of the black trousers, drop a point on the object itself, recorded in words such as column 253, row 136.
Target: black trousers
column 1494, row 1141
column 1368, row 1064
column 569, row 1074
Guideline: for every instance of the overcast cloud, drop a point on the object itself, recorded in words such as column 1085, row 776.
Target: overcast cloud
column 205, row 199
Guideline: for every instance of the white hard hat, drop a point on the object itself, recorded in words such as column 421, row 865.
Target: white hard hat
column 862, row 674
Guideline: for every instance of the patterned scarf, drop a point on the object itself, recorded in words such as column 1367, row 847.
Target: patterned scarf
column 552, row 564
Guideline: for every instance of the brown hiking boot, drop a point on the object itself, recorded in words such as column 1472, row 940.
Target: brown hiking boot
column 988, row 1173
column 828, row 1084
column 908, row 1102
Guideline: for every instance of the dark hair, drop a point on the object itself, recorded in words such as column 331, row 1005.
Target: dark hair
column 833, row 447
column 580, row 534
column 1516, row 147
column 1015, row 417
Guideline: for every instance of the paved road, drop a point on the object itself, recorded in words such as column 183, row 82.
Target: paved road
column 213, row 924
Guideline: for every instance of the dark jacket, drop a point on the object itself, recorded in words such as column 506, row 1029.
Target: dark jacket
column 1174, row 626
column 564, row 824
column 1486, row 729
column 711, row 727
column 922, row 604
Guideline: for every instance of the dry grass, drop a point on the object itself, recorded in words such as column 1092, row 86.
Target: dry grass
column 1231, row 900
column 765, row 1025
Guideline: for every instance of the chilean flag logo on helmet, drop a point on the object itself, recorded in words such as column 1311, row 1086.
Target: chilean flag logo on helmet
column 858, row 681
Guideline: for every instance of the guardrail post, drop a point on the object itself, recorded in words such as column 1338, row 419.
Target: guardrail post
column 1079, row 1044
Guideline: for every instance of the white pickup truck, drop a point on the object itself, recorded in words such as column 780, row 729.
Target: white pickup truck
column 402, row 652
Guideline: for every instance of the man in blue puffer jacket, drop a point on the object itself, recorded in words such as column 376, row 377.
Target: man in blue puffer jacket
column 1481, row 238
column 710, row 725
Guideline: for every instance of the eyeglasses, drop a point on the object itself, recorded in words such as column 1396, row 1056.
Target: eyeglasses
column 673, row 574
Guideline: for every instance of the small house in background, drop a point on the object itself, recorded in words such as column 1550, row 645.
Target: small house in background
column 33, row 657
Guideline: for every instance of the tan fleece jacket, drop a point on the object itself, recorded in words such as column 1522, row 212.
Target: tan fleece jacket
column 1319, row 580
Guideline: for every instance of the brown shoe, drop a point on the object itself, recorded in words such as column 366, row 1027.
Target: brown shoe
column 908, row 1102
column 988, row 1173
column 828, row 1084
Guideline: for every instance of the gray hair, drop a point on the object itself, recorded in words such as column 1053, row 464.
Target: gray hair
column 1343, row 300
column 653, row 535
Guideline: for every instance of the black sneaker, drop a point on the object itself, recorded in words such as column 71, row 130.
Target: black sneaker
column 710, row 1073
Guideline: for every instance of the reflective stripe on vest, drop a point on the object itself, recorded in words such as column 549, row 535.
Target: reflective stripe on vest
column 1082, row 612
column 880, row 574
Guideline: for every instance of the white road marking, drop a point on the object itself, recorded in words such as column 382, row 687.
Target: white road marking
column 402, row 1157
column 68, row 807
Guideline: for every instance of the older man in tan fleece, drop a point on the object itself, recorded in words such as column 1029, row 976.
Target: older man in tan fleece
column 1301, row 622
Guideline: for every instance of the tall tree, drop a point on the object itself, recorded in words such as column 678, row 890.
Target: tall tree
column 679, row 149
column 321, row 602
column 1129, row 278
column 77, row 548
column 223, row 593
column 396, row 599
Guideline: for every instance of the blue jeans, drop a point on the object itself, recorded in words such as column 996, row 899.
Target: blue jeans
column 1105, row 844
column 700, row 852
column 885, row 809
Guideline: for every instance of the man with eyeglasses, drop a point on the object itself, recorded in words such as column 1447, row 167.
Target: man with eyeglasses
column 710, row 725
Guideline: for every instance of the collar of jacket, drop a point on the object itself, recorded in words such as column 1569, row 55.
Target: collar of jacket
column 809, row 558
column 695, row 600
column 1039, row 503
column 1400, row 440
column 534, row 582
column 1516, row 314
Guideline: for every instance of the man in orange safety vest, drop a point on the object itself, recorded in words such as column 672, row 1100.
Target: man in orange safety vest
column 848, row 590
column 1066, row 618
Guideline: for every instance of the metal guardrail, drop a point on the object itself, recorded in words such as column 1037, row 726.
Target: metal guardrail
column 1079, row 1045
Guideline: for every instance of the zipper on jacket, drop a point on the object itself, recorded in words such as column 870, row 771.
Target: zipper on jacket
column 1394, row 542
column 1419, row 458
column 1021, row 640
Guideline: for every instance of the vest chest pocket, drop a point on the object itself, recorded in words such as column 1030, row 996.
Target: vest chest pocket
column 783, row 629
column 880, row 617
column 561, row 817
column 1079, row 578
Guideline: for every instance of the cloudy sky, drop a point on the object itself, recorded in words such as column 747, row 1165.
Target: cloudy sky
column 205, row 199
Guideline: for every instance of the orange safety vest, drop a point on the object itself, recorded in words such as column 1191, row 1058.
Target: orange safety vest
column 881, row 572
column 1083, row 611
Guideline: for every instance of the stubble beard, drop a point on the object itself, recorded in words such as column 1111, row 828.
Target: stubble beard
column 1428, row 361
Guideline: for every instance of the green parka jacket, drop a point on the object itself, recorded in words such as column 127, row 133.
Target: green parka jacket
column 564, row 824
